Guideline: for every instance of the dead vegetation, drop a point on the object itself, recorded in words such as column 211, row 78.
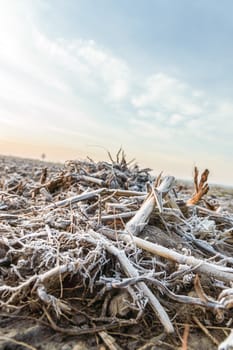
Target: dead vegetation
column 106, row 250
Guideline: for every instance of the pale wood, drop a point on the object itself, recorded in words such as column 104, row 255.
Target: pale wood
column 109, row 341
column 74, row 199
column 92, row 194
column 141, row 218
column 131, row 271
column 219, row 272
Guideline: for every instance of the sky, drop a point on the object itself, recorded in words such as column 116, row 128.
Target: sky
column 79, row 77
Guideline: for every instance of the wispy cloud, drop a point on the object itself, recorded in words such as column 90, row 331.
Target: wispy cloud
column 169, row 94
column 176, row 111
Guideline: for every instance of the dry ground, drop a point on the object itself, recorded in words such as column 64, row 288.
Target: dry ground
column 63, row 315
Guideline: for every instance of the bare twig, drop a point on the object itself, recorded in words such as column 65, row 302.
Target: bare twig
column 17, row 342
column 205, row 330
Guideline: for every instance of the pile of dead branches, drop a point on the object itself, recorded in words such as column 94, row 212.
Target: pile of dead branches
column 111, row 245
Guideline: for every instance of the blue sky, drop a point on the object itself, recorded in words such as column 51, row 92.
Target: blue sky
column 155, row 76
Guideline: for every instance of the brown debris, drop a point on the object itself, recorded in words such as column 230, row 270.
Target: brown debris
column 201, row 187
column 44, row 175
column 185, row 337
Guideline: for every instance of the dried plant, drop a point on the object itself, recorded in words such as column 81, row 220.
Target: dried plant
column 201, row 187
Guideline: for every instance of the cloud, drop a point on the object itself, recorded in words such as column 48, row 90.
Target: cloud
column 73, row 91
column 95, row 67
column 174, row 111
column 169, row 96
column 65, row 86
column 176, row 119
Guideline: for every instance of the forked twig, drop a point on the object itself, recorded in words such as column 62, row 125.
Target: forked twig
column 201, row 187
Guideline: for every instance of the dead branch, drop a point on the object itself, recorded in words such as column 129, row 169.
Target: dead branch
column 138, row 222
column 132, row 272
column 220, row 272
column 201, row 188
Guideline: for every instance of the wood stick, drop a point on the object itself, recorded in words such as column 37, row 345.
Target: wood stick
column 221, row 273
column 8, row 217
column 87, row 178
column 132, row 272
column 109, row 341
column 124, row 215
column 74, row 199
column 141, row 218
column 92, row 194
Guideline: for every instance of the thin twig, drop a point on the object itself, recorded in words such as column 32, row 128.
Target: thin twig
column 20, row 343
